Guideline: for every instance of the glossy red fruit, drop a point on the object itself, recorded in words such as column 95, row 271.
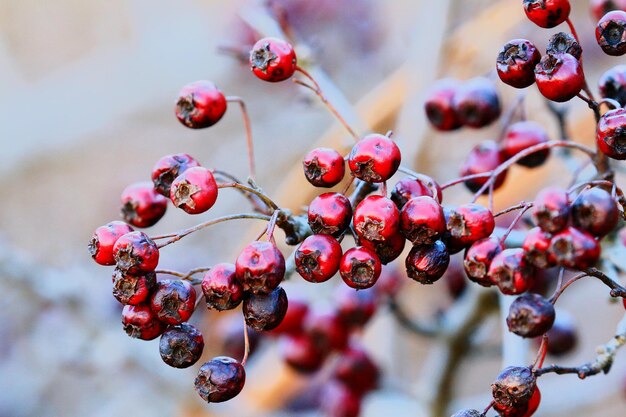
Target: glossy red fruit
column 327, row 329
column 360, row 267
column 301, row 353
column 220, row 379
column 181, row 346
column 264, row 312
column 601, row 7
column 317, row 258
column 521, row 136
column 273, row 60
column 293, row 322
column 559, row 77
column 221, row 288
column 357, row 370
column 533, row 403
column 511, row 272
column 141, row 323
column 484, row 157
column 547, row 13
column 194, row 191
column 422, row 220
column 468, row 223
column 530, row 315
column 576, row 249
column 133, row 289
column 168, row 168
column 200, row 104
column 611, row 134
column 514, row 387
column 410, row 187
column 551, row 209
column 564, row 43
column 611, row 33
column 563, row 336
column 595, row 211
column 427, row 263
column 516, row 63
column 374, row 158
column 355, row 308
column 260, row 267
column 387, row 250
column 612, row 84
column 478, row 259
column 174, row 301
column 439, row 105
column 330, row 214
column 142, row 206
column 477, row 103
column 324, row 167
column 135, row 253
column 536, row 246
column 376, row 218
column 101, row 244
column 340, row 401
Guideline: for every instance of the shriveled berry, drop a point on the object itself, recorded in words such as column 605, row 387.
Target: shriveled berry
column 547, row 13
column 468, row 223
column 324, row 167
column 601, row 7
column 302, row 353
column 478, row 259
column 142, row 206
column 327, row 329
column 559, row 77
column 468, row 413
column 514, row 387
column 181, row 346
column 355, row 308
column 135, row 253
column 330, row 214
column 387, row 250
column 477, row 103
column 141, row 323
column 612, row 83
column 427, row 263
column 260, row 267
column 422, row 220
column 265, row 311
column 439, row 105
column 376, row 218
column 530, row 315
column 273, row 60
column 536, row 246
column 551, row 209
column 360, row 267
column 194, row 191
column 101, row 244
column 611, row 134
column 133, row 289
column 168, row 168
column 317, row 258
column 293, row 322
column 511, row 272
column 174, row 301
column 521, row 136
column 340, row 401
column 573, row 248
column 200, row 104
column 595, row 211
column 564, row 43
column 221, row 289
column 220, row 379
column 516, row 63
column 374, row 158
column 357, row 370
column 611, row 33
column 409, row 188
column 563, row 336
column 484, row 157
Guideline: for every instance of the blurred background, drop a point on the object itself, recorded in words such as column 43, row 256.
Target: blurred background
column 86, row 107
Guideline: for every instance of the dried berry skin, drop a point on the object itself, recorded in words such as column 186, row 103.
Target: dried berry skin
column 317, row 258
column 174, row 301
column 478, row 259
column 511, row 272
column 611, row 33
column 142, row 206
column 355, row 308
column 103, row 240
column 514, row 387
column 265, row 312
column 516, row 63
column 360, row 267
column 573, row 248
column 293, row 322
column 168, row 168
column 611, row 134
column 387, row 250
column 551, row 209
column 595, row 211
column 601, row 7
column 468, row 413
column 327, row 329
column 324, row 167
column 200, row 104
column 195, row 190
column 301, row 353
column 477, row 103
column 260, row 267
column 484, row 157
column 536, row 246
column 133, row 289
column 181, row 346
column 220, row 379
column 439, row 107
column 376, row 218
column 521, row 136
column 330, row 214
column 564, row 43
column 221, row 289
column 340, row 401
column 530, row 315
column 559, row 77
column 468, row 223
column 427, row 263
column 374, row 158
column 355, row 369
column 612, row 84
column 135, row 253
column 273, row 60
column 422, row 220
column 547, row 13
column 409, row 188
column 141, row 323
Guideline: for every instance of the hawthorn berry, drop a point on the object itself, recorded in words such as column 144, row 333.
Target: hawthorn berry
column 340, row 400
column 536, row 246
column 468, row 413
column 387, row 250
column 562, row 337
column 533, row 404
column 141, row 323
column 573, row 248
column 293, row 322
column 374, row 158
column 564, row 43
column 357, row 370
column 547, row 13
column 260, row 267
column 355, row 308
column 483, row 158
column 200, row 104
column 409, row 188
column 142, row 206
column 273, row 60
column 530, row 315
column 376, row 218
column 427, row 263
column 521, row 136
column 611, row 134
column 514, row 387
column 265, row 311
column 220, row 379
column 194, row 191
column 330, row 214
column 324, row 167
column 422, row 220
column 181, row 346
column 468, row 223
column 478, row 259
column 611, row 33
column 551, row 209
column 301, row 353
column 174, row 301
column 133, row 289
column 439, row 106
column 601, row 7
column 317, row 258
column 101, row 244
column 360, row 267
column 135, row 253
column 516, row 63
column 221, row 289
column 595, row 211
column 327, row 329
column 559, row 77
column 168, row 168
column 476, row 103
column 612, row 84
column 511, row 272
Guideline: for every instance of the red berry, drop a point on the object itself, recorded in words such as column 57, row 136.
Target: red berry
column 530, row 315
column 387, row 250
column 547, row 13
column 220, row 379
column 468, row 223
column 174, row 301
column 439, row 105
column 511, row 272
column 327, row 329
column 611, row 134
column 265, row 312
column 101, row 243
column 611, row 33
column 355, row 308
column 422, row 220
column 427, row 263
column 317, row 258
column 142, row 206
column 521, row 136
column 612, row 84
column 376, row 218
column 601, row 7
column 330, row 214
column 302, row 353
column 559, row 77
column 409, row 188
column 168, row 168
column 476, row 103
column 564, row 43
column 576, row 249
column 484, row 157
column 324, row 167
column 194, row 191
column 260, row 267
column 562, row 337
column 140, row 322
column 516, row 63
column 135, row 253
column 374, row 158
column 551, row 209
column 355, row 369
column 340, row 401
column 595, row 211
column 200, row 104
column 514, row 387
column 533, row 404
column 536, row 246
column 131, row 289
column 360, row 267
column 455, row 279
column 181, row 346
column 273, row 60
column 478, row 259
column 221, row 289
column 293, row 322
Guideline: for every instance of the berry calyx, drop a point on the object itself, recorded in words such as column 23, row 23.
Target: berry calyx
column 511, row 272
column 551, row 209
column 439, row 106
column 477, row 103
column 260, row 267
column 484, row 157
column 514, row 387
column 612, row 84
column 516, row 63
column 611, row 33
column 220, row 379
column 376, row 218
column 174, row 301
column 101, row 244
column 324, row 167
column 133, row 289
column 559, row 77
column 573, row 248
column 409, row 188
column 422, row 220
column 427, row 263
column 141, row 323
column 142, row 206
column 478, row 259
column 530, row 315
column 168, row 168
column 595, row 211
column 200, row 104
column 181, row 346
column 273, row 60
column 564, row 43
column 265, row 312
column 547, row 13
column 521, row 136
column 135, row 253
column 374, row 158
column 194, row 191
column 330, row 214
column 611, row 134
column 317, row 258
column 221, row 289
column 360, row 267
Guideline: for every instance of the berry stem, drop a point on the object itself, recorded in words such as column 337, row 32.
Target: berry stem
column 253, row 198
column 248, row 127
column 512, row 208
column 423, row 178
column 246, row 343
column 271, row 226
column 517, row 218
column 541, row 354
column 518, row 104
column 184, row 276
column 575, row 35
column 268, row 201
column 563, row 287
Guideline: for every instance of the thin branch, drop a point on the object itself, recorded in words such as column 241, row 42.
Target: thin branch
column 248, row 127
